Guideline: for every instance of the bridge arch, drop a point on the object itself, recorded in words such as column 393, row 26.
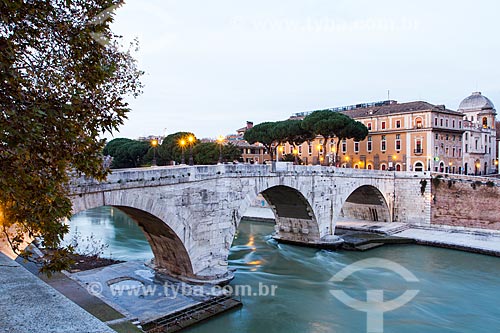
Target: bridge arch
column 295, row 219
column 366, row 202
column 170, row 253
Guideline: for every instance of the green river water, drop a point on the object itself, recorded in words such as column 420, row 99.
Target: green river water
column 458, row 291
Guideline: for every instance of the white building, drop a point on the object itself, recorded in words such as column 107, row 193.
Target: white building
column 479, row 141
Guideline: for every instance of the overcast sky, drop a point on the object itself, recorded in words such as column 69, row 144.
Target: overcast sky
column 212, row 65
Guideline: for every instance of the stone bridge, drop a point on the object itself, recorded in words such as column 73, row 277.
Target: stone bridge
column 190, row 214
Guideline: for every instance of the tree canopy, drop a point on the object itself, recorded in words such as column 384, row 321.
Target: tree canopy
column 60, row 88
column 207, row 153
column 171, row 149
column 293, row 132
column 127, row 153
column 264, row 133
column 330, row 124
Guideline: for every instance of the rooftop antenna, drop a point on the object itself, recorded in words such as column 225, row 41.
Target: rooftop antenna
column 388, row 95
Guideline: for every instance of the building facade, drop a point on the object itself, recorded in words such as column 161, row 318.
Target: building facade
column 413, row 136
column 480, row 135
column 402, row 136
column 250, row 153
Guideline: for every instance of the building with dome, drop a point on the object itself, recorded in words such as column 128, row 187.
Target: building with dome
column 479, row 142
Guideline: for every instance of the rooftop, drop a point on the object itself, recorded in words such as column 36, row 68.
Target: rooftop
column 476, row 102
column 384, row 108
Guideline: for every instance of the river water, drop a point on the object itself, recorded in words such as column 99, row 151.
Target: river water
column 458, row 291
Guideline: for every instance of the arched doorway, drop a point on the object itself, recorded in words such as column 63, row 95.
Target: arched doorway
column 366, row 203
column 419, row 167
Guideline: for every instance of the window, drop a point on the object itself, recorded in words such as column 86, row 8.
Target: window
column 459, row 152
column 471, row 118
column 369, row 126
column 447, row 137
column 418, row 123
column 466, row 148
column 476, row 144
column 418, row 146
column 383, row 167
column 485, row 122
column 437, row 136
column 419, row 167
column 447, row 151
column 291, row 149
column 300, row 149
column 356, row 146
column 453, row 152
column 309, row 149
column 369, row 144
column 398, row 167
column 435, row 121
column 446, row 122
column 398, row 142
column 459, row 124
column 454, row 137
column 466, row 136
column 441, row 122
column 344, row 146
column 383, row 125
column 369, row 166
column 398, row 123
column 383, row 143
column 453, row 123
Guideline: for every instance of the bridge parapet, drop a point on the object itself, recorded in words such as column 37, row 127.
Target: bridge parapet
column 169, row 175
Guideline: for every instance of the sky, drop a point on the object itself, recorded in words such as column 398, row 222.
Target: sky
column 213, row 65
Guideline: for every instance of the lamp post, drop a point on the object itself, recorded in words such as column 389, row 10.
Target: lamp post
column 191, row 140
column 220, row 141
column 154, row 144
column 295, row 153
column 319, row 158
column 182, row 143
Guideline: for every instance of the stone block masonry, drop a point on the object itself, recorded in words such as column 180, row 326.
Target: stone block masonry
column 190, row 214
column 469, row 202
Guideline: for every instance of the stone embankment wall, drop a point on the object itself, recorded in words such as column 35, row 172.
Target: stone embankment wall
column 461, row 201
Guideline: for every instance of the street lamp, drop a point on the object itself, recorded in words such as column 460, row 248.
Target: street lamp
column 295, row 153
column 182, row 143
column 154, row 144
column 191, row 140
column 319, row 158
column 220, row 141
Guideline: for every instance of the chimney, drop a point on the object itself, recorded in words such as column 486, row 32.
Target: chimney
column 249, row 124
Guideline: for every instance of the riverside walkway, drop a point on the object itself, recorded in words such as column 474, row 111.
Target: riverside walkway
column 28, row 304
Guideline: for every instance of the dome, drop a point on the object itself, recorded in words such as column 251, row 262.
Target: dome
column 476, row 102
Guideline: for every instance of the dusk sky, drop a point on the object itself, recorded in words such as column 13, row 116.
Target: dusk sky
column 212, row 65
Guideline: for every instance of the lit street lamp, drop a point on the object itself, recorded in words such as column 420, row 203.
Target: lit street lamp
column 319, row 158
column 295, row 153
column 182, row 143
column 154, row 144
column 191, row 140
column 220, row 141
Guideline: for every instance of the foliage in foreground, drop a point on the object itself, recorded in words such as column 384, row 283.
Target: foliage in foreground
column 61, row 86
